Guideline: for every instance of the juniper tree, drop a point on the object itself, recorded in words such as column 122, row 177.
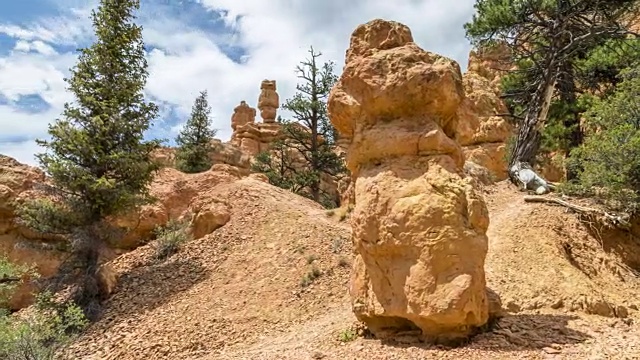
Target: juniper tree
column 97, row 159
column 313, row 142
column 546, row 38
column 609, row 159
column 194, row 141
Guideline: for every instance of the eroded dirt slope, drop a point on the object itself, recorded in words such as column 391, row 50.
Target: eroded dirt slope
column 237, row 285
column 237, row 294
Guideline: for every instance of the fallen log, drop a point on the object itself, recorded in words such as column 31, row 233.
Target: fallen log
column 617, row 220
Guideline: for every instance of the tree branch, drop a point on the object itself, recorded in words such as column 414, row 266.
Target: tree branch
column 617, row 220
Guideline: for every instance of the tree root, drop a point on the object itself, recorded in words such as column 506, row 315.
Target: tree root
column 616, row 220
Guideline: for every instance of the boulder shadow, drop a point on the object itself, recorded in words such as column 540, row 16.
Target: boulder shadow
column 511, row 333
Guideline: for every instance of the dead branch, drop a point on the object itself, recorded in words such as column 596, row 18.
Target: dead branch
column 8, row 280
column 618, row 221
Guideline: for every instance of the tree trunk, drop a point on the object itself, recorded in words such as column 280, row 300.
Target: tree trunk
column 528, row 140
column 567, row 88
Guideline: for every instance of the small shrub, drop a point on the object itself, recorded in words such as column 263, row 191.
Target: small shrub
column 310, row 277
column 347, row 335
column 41, row 333
column 343, row 262
column 330, row 213
column 311, row 258
column 170, row 238
column 336, row 245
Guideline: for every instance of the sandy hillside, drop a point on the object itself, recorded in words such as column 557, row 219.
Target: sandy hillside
column 238, row 293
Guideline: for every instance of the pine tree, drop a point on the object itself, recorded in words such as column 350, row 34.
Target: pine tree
column 313, row 143
column 194, row 141
column 98, row 162
column 547, row 38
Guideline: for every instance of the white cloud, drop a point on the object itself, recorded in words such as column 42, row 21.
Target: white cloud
column 68, row 29
column 275, row 34
column 37, row 46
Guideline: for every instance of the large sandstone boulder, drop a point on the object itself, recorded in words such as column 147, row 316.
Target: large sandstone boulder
column 418, row 226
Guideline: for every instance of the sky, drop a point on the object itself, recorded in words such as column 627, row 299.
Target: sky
column 226, row 47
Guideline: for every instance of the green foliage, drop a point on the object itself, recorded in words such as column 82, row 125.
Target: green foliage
column 97, row 159
column 194, row 141
column 279, row 165
column 11, row 276
column 347, row 335
column 99, row 164
column 608, row 162
column 600, row 68
column 41, row 333
column 298, row 162
column 557, row 45
column 170, row 238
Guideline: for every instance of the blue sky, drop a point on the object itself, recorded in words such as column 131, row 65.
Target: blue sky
column 225, row 46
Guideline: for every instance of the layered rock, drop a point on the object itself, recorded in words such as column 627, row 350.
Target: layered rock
column 481, row 130
column 269, row 101
column 179, row 195
column 251, row 137
column 418, row 226
column 223, row 153
column 18, row 244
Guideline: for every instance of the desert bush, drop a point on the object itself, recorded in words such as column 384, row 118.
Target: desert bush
column 608, row 162
column 310, row 276
column 170, row 238
column 347, row 335
column 41, row 333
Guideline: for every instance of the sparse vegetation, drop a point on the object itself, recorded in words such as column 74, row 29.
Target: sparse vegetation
column 343, row 261
column 193, row 154
column 42, row 332
column 342, row 213
column 347, row 335
column 336, row 245
column 310, row 276
column 170, row 238
column 311, row 258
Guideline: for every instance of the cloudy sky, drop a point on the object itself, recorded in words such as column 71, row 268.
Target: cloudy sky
column 224, row 46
